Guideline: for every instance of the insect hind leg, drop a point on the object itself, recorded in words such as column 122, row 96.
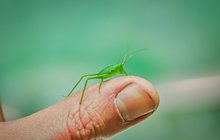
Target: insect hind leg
column 85, row 75
column 85, row 85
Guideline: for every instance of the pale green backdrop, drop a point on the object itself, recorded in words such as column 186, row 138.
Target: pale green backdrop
column 46, row 45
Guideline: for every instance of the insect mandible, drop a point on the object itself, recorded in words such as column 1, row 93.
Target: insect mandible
column 105, row 73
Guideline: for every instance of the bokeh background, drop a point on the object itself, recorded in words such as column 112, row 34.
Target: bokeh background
column 46, row 45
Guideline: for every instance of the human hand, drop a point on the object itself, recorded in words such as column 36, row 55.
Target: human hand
column 123, row 102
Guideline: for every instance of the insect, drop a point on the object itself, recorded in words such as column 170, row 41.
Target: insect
column 105, row 73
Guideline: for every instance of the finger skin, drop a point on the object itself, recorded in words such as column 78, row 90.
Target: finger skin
column 97, row 117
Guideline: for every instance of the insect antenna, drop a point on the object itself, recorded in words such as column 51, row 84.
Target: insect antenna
column 128, row 56
column 125, row 58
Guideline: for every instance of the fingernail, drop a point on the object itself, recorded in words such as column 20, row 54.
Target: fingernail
column 134, row 102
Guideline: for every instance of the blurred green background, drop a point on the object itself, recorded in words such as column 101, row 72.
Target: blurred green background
column 46, row 45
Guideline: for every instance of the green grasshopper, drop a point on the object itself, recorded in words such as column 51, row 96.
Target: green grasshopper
column 105, row 73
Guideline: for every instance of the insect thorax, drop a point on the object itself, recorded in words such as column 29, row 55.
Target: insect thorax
column 112, row 70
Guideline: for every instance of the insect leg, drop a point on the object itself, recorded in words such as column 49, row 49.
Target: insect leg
column 125, row 73
column 79, row 82
column 83, row 92
column 100, row 85
column 84, row 88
